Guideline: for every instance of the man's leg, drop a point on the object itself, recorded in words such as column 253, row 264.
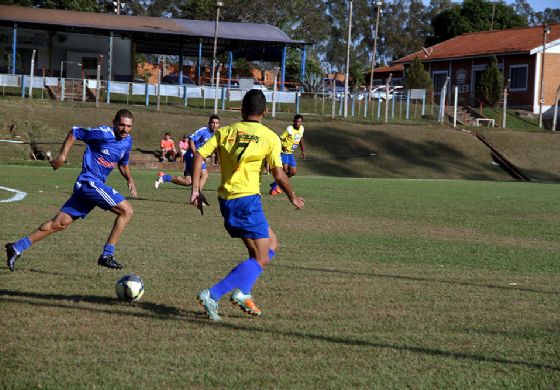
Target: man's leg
column 58, row 223
column 179, row 180
column 124, row 214
column 203, row 178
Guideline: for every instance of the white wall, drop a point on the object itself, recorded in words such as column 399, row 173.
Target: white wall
column 66, row 47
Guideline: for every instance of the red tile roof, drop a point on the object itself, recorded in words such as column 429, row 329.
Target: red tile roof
column 516, row 40
column 390, row 68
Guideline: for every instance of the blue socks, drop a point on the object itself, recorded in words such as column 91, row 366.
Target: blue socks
column 108, row 250
column 243, row 277
column 166, row 178
column 22, row 244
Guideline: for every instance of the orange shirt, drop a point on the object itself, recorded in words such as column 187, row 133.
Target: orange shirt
column 167, row 144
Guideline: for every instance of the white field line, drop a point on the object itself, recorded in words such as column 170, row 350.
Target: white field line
column 19, row 195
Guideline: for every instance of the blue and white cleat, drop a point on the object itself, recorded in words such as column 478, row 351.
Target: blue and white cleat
column 210, row 305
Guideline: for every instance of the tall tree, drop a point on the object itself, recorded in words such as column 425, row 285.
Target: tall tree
column 473, row 16
column 491, row 85
column 416, row 76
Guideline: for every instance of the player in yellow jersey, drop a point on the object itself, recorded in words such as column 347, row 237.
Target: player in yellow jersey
column 291, row 138
column 241, row 148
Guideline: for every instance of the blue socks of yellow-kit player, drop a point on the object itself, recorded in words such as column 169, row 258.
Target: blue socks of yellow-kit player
column 166, row 178
column 243, row 277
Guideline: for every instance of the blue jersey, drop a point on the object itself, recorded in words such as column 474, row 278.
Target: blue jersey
column 200, row 136
column 103, row 152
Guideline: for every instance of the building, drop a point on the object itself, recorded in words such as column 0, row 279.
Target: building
column 72, row 43
column 520, row 53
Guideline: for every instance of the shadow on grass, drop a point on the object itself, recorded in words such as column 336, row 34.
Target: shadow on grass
column 417, row 279
column 164, row 312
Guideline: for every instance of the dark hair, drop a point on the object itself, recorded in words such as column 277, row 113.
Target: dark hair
column 212, row 117
column 298, row 116
column 124, row 113
column 169, row 134
column 254, row 103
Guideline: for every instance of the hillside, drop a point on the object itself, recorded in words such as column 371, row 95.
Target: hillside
column 334, row 147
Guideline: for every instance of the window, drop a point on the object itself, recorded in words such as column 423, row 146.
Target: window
column 439, row 78
column 518, row 77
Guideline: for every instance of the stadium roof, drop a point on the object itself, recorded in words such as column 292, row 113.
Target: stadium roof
column 151, row 34
column 526, row 40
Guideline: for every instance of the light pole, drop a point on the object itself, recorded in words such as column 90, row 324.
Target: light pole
column 219, row 5
column 347, row 61
column 378, row 4
column 119, row 5
column 546, row 31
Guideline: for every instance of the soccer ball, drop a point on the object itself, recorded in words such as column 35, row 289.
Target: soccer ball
column 129, row 288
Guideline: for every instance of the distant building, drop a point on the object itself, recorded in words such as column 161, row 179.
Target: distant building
column 519, row 52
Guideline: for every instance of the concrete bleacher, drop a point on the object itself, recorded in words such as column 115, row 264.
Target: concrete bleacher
column 149, row 160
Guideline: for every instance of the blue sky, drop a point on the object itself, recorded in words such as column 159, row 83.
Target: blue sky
column 537, row 5
column 540, row 5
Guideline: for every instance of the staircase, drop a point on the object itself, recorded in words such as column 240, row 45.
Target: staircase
column 73, row 91
column 468, row 116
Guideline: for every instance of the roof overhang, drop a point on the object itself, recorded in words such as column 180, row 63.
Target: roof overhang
column 151, row 34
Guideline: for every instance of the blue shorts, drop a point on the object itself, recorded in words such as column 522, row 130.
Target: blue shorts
column 87, row 195
column 244, row 217
column 189, row 159
column 288, row 159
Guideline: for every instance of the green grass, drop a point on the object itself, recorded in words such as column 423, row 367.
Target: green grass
column 378, row 284
column 513, row 121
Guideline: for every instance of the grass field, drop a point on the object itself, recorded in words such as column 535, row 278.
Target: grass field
column 378, row 284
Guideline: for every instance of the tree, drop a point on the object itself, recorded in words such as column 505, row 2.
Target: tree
column 549, row 16
column 473, row 16
column 490, row 88
column 416, row 76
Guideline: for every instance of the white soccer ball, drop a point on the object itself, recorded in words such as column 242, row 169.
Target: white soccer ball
column 129, row 288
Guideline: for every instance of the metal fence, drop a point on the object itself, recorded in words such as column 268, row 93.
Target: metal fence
column 401, row 105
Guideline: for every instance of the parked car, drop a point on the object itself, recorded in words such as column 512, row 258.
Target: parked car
column 173, row 78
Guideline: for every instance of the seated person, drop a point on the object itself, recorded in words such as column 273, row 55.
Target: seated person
column 168, row 150
column 183, row 147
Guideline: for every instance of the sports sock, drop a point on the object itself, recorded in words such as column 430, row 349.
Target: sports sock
column 273, row 185
column 108, row 250
column 166, row 178
column 243, row 277
column 271, row 254
column 22, row 244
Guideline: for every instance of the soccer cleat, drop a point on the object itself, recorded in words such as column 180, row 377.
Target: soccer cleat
column 275, row 191
column 12, row 255
column 210, row 305
column 159, row 180
column 245, row 302
column 109, row 262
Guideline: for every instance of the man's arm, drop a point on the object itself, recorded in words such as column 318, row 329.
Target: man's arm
column 302, row 149
column 63, row 154
column 192, row 146
column 284, row 183
column 195, row 190
column 125, row 172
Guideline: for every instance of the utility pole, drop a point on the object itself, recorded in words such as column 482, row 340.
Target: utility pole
column 347, row 61
column 378, row 4
column 118, row 6
column 546, row 31
column 219, row 5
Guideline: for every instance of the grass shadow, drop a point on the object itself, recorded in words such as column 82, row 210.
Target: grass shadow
column 417, row 279
column 160, row 311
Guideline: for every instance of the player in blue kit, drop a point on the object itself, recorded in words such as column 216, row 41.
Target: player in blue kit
column 106, row 147
column 196, row 140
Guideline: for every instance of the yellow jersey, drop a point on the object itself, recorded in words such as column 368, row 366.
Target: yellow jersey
column 291, row 138
column 242, row 147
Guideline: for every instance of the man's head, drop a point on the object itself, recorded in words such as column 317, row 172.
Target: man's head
column 254, row 104
column 298, row 121
column 213, row 123
column 122, row 123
